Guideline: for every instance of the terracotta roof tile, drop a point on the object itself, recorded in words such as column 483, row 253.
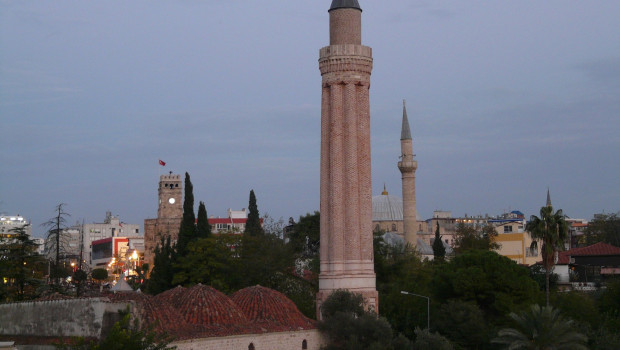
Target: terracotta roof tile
column 272, row 309
column 591, row 250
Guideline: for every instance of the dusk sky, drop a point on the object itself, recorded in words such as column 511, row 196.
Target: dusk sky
column 505, row 99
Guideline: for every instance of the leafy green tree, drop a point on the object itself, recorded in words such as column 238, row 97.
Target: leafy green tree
column 604, row 228
column 187, row 231
column 99, row 274
column 425, row 340
column 262, row 258
column 163, row 269
column 20, row 264
column 306, row 235
column 439, row 251
column 550, row 230
column 464, row 324
column 253, row 226
column 210, row 261
column 470, row 238
column 203, row 227
column 347, row 326
column 495, row 283
column 541, row 329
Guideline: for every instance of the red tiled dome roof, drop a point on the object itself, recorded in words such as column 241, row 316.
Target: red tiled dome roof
column 205, row 305
column 264, row 305
column 159, row 315
column 171, row 295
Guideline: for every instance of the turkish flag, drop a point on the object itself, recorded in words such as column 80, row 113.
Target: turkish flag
column 162, row 163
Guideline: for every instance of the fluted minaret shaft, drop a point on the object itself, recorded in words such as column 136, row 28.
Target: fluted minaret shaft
column 408, row 166
column 346, row 189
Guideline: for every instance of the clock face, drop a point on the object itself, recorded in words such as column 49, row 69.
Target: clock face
column 171, row 200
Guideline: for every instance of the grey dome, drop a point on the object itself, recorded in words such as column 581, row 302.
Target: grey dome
column 387, row 208
column 341, row 4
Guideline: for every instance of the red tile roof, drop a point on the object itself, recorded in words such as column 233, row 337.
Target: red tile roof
column 591, row 250
column 205, row 305
column 264, row 305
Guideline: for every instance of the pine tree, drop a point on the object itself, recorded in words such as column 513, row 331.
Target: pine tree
column 187, row 231
column 253, row 226
column 439, row 251
column 202, row 225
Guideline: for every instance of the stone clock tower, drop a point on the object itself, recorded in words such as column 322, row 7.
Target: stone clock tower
column 170, row 195
column 169, row 215
column 347, row 260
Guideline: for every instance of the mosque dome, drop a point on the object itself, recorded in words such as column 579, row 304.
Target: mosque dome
column 261, row 304
column 161, row 316
column 386, row 207
column 207, row 306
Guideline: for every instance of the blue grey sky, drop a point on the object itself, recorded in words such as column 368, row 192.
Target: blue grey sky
column 505, row 99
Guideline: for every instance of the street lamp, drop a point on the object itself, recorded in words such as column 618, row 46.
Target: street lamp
column 428, row 307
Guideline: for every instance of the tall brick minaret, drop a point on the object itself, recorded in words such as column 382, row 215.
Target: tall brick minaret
column 346, row 191
column 407, row 166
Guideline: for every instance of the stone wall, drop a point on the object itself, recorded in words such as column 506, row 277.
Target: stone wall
column 88, row 318
column 267, row 341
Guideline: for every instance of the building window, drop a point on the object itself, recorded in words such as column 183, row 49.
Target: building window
column 393, row 227
column 507, row 229
column 304, row 344
column 251, row 346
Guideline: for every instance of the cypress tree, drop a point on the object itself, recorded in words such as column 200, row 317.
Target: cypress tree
column 163, row 271
column 187, row 231
column 252, row 226
column 439, row 251
column 202, row 225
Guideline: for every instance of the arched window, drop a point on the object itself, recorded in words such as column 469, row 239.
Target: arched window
column 304, row 345
column 393, row 227
column 251, row 346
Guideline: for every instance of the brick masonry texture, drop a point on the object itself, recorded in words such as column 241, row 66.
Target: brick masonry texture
column 346, row 189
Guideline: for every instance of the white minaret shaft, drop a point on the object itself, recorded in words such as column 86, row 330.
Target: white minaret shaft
column 408, row 166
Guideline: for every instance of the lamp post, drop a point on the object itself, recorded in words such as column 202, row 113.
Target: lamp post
column 428, row 307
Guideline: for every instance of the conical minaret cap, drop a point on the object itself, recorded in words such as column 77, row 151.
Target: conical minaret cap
column 548, row 198
column 405, row 133
column 345, row 4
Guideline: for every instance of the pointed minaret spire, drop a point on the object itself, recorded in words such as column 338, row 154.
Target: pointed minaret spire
column 385, row 192
column 548, row 198
column 405, row 133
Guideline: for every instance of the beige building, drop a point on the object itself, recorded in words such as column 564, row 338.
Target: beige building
column 514, row 241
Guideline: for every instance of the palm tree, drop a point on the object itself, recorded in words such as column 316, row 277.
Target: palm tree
column 550, row 230
column 541, row 329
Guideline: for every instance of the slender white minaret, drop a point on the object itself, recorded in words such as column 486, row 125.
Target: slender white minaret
column 347, row 260
column 408, row 167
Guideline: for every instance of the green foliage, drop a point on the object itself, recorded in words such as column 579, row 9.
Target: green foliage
column 603, row 228
column 99, row 274
column 541, row 329
column 187, row 230
column 610, row 299
column 125, row 336
column 203, row 228
column 468, row 238
column 211, row 261
column 306, row 235
column 463, row 323
column 342, row 301
column 537, row 273
column 399, row 268
column 550, row 230
column 261, row 258
column 426, row 340
column 252, row 225
column 495, row 283
column 439, row 251
column 21, row 265
column 348, row 327
column 163, row 270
